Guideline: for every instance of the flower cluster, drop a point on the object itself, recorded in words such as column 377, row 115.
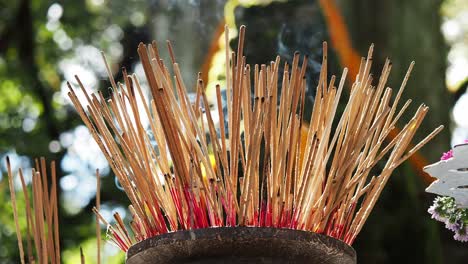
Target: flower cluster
column 445, row 210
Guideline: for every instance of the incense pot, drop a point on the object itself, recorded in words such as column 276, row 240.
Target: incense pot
column 241, row 245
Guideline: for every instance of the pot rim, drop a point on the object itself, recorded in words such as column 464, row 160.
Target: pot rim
column 233, row 234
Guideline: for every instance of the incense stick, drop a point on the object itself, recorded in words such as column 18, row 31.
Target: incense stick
column 41, row 216
column 98, row 207
column 15, row 212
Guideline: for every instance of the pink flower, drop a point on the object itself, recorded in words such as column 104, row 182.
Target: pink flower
column 452, row 226
column 449, row 154
column 435, row 215
column 461, row 237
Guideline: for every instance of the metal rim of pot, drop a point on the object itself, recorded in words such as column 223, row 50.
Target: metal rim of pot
column 241, row 245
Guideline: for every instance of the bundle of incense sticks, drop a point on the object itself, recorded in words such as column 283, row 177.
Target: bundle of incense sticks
column 269, row 168
column 42, row 235
column 42, row 223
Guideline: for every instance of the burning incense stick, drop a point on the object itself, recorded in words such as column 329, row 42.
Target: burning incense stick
column 270, row 168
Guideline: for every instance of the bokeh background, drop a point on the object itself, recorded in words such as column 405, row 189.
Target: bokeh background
column 45, row 43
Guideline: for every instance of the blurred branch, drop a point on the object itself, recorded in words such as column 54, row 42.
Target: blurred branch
column 26, row 51
column 6, row 36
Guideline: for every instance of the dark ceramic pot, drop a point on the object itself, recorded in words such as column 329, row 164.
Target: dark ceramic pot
column 241, row 245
